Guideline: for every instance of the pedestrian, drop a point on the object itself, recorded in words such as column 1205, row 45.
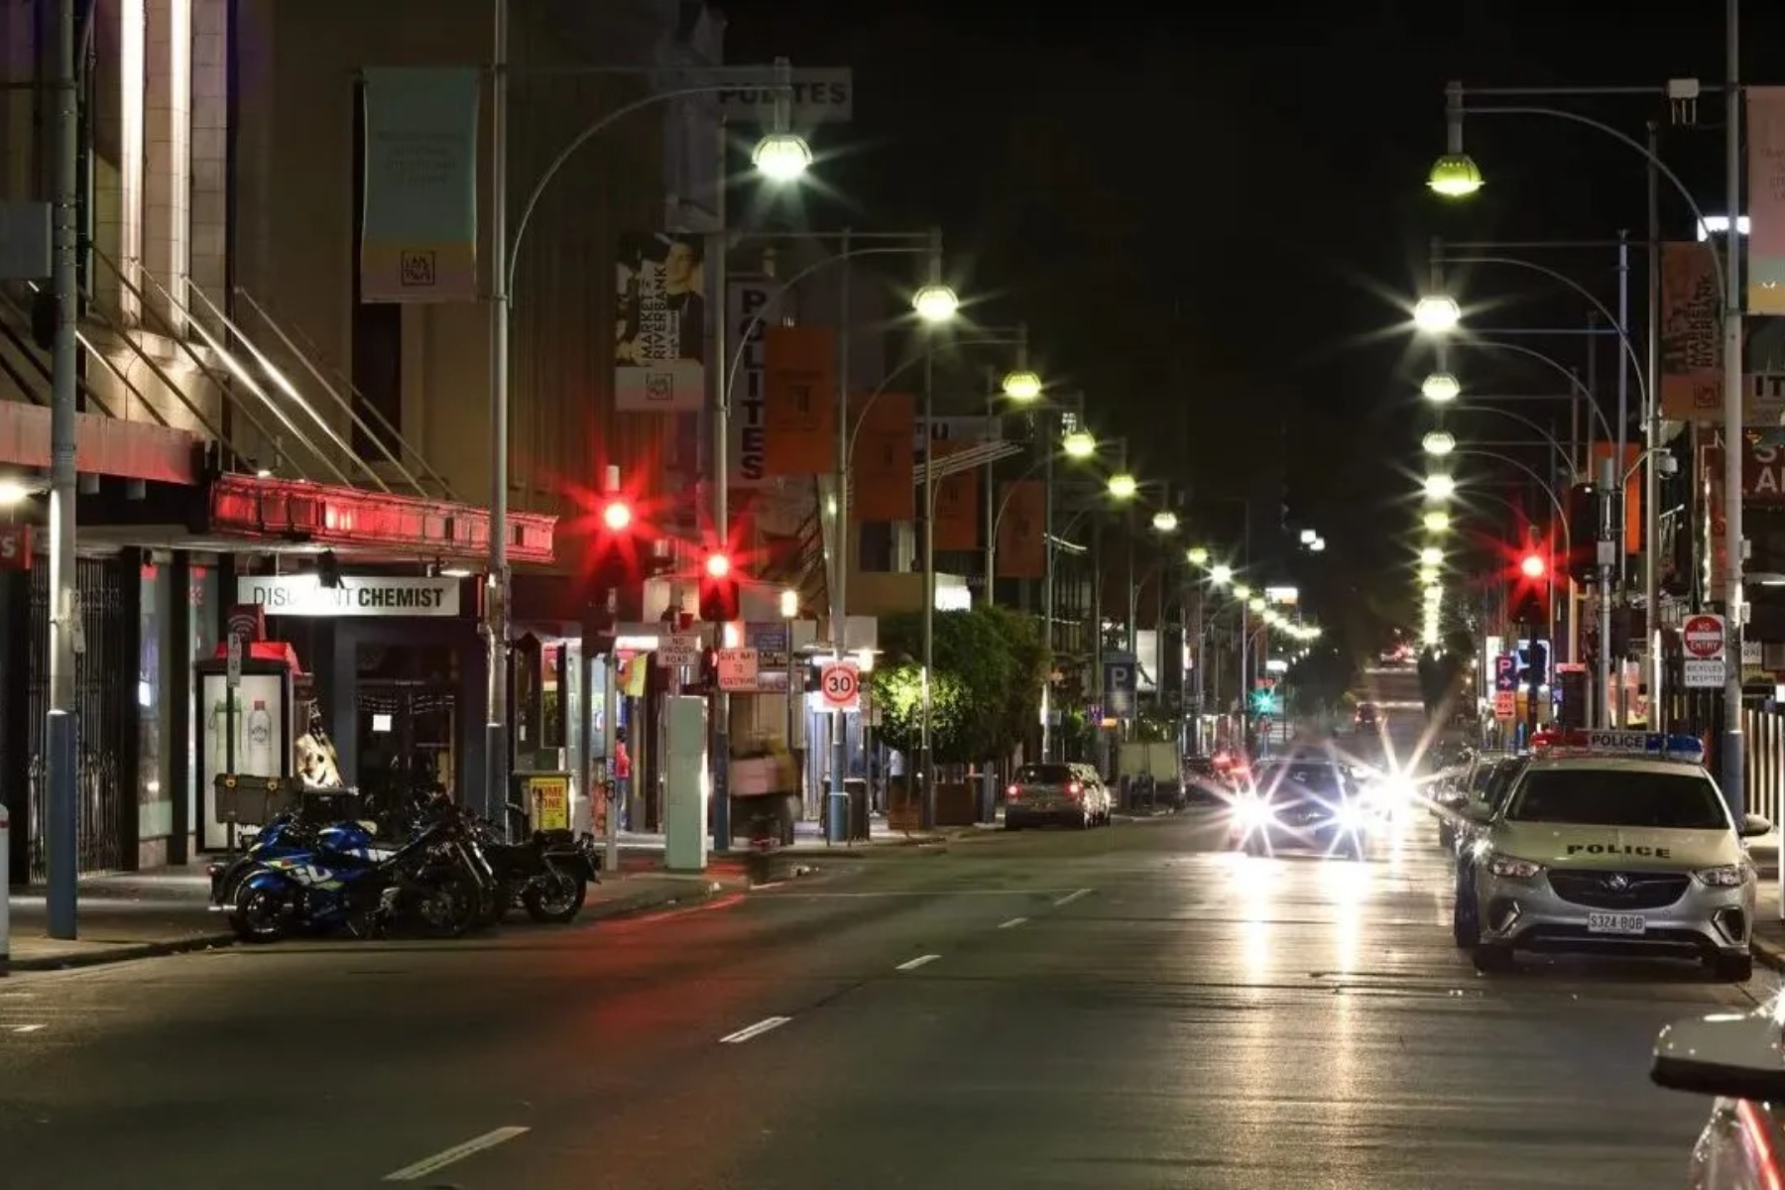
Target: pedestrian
column 622, row 775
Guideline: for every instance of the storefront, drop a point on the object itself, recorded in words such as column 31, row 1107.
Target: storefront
column 392, row 673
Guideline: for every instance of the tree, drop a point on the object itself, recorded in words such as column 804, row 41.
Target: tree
column 985, row 690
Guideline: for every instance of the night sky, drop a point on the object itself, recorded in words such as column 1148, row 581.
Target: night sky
column 1211, row 216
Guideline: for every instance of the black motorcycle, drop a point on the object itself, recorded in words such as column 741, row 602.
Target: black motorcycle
column 547, row 873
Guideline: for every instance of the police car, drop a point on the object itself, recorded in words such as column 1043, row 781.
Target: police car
column 1736, row 1058
column 1610, row 841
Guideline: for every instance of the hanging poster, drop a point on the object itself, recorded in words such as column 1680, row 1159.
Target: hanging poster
column 418, row 236
column 799, row 400
column 882, row 463
column 957, row 501
column 1766, row 200
column 660, row 332
column 1022, row 551
column 1691, row 334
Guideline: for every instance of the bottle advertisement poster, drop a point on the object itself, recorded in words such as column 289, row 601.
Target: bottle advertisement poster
column 246, row 725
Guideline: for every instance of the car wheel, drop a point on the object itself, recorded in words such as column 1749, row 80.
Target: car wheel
column 1447, row 838
column 1492, row 958
column 1733, row 968
column 1463, row 927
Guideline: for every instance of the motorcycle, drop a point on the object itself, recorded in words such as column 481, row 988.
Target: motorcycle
column 423, row 884
column 548, row 874
column 290, row 834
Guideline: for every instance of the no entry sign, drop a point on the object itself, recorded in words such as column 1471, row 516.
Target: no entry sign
column 1702, row 637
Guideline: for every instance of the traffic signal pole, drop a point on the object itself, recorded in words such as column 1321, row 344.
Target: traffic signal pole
column 718, row 704
column 1606, row 545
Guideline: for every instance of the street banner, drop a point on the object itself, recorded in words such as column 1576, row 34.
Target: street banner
column 881, row 465
column 957, row 501
column 1691, row 334
column 799, row 400
column 1631, row 491
column 418, row 230
column 1766, row 200
column 660, row 335
column 1022, row 552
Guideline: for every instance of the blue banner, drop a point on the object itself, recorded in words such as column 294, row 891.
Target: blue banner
column 418, row 234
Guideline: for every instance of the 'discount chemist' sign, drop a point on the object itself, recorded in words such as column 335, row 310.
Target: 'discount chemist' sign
column 304, row 595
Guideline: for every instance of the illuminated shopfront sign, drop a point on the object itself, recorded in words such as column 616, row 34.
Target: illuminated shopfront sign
column 377, row 595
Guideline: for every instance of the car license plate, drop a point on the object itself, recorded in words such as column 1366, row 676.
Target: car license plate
column 1616, row 923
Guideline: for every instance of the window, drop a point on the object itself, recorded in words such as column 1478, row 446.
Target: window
column 1620, row 797
column 377, row 365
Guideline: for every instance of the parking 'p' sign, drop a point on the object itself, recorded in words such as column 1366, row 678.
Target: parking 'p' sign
column 840, row 682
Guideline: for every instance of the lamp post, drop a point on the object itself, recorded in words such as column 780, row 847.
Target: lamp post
column 1452, row 180
column 780, row 155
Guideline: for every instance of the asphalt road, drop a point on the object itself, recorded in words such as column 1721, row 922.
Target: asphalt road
column 1124, row 1009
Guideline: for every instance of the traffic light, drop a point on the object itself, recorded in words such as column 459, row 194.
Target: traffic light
column 1533, row 565
column 1583, row 532
column 1527, row 597
column 718, row 589
column 1536, row 668
column 1264, row 701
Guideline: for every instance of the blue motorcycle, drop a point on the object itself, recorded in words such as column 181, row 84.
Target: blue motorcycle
column 288, row 835
column 294, row 883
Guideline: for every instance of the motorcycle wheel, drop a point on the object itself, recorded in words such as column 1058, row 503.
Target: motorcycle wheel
column 259, row 914
column 556, row 897
column 447, row 908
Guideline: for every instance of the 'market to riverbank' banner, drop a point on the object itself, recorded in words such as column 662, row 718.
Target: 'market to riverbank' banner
column 418, row 237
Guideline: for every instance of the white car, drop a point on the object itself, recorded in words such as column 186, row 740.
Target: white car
column 1738, row 1058
column 1610, row 841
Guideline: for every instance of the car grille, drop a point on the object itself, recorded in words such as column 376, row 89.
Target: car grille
column 1620, row 890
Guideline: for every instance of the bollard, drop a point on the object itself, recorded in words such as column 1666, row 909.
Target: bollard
column 5, row 894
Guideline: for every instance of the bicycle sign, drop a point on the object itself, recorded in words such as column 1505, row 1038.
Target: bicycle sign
column 840, row 681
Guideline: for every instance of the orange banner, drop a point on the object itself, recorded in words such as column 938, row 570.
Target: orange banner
column 883, row 465
column 1766, row 200
column 1022, row 550
column 799, row 400
column 1632, row 492
column 957, row 502
column 1691, row 334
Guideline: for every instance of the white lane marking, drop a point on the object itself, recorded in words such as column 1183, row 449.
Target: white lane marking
column 26, row 1028
column 446, row 1157
column 1012, row 924
column 757, row 1030
column 919, row 961
column 1070, row 897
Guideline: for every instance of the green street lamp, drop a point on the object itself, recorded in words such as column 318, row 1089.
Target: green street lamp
column 1454, row 175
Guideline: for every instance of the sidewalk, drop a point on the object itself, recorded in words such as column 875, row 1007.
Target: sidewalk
column 139, row 915
column 809, row 841
column 1769, row 929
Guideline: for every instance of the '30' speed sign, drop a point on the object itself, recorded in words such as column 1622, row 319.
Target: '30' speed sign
column 841, row 683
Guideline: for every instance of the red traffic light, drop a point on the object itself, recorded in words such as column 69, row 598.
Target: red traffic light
column 718, row 566
column 1533, row 565
column 616, row 515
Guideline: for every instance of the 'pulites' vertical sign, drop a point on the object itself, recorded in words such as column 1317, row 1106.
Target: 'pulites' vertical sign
column 746, row 301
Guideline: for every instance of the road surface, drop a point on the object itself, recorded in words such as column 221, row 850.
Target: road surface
column 1121, row 1009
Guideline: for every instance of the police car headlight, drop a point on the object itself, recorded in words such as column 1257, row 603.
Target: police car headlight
column 1253, row 812
column 1729, row 876
column 1513, row 868
column 1351, row 816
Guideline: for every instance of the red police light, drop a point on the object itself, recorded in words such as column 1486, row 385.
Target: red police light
column 617, row 516
column 718, row 566
column 1533, row 565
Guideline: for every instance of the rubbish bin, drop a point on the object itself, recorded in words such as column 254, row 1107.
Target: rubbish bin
column 856, row 790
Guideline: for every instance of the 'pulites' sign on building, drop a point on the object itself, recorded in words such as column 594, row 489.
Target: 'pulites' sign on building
column 304, row 595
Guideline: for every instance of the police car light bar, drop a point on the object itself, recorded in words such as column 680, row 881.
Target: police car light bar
column 1652, row 744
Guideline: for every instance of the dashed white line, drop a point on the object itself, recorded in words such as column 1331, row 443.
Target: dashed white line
column 26, row 1028
column 446, row 1157
column 1012, row 924
column 1070, row 897
column 919, row 961
column 757, row 1030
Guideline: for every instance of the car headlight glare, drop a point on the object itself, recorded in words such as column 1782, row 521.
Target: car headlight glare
column 1350, row 816
column 1254, row 811
column 1728, row 876
column 1514, row 868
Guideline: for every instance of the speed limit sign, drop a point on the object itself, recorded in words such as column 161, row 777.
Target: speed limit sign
column 840, row 682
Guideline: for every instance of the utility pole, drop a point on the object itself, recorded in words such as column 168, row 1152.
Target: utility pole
column 65, row 643
column 1730, row 774
column 496, row 583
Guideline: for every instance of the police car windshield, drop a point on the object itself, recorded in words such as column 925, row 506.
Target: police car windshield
column 1619, row 797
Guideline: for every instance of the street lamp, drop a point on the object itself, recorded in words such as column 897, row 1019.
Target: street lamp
column 1220, row 574
column 1165, row 521
column 1436, row 521
column 1431, row 555
column 1439, row 443
column 1440, row 486
column 935, row 302
column 1437, row 314
column 1428, row 574
column 1022, row 385
column 1079, row 444
column 1454, row 175
column 1122, row 485
column 1440, row 388
column 1241, row 591
column 1196, row 556
column 782, row 156
column 790, row 605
